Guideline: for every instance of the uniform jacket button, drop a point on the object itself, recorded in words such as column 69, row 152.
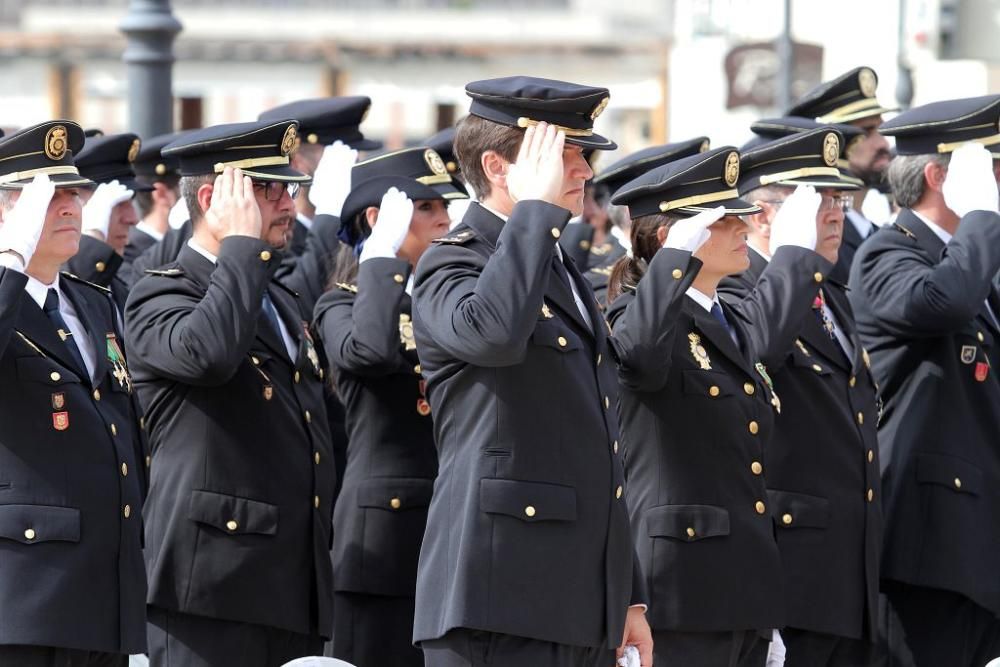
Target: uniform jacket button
column 760, row 507
column 786, row 519
column 395, row 503
column 265, row 255
column 29, row 534
column 529, row 511
column 231, row 525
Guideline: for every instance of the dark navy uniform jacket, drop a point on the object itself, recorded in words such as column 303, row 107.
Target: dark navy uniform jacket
column 380, row 515
column 821, row 461
column 71, row 481
column 528, row 533
column 242, row 477
column 921, row 313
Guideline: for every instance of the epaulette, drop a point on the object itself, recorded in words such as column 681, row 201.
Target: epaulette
column 278, row 283
column 172, row 272
column 353, row 289
column 67, row 274
column 456, row 239
column 903, row 229
column 601, row 270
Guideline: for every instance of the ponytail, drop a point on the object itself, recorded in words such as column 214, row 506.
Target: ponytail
column 629, row 270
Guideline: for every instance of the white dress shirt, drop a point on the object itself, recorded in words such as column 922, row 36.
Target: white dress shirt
column 147, row 229
column 38, row 291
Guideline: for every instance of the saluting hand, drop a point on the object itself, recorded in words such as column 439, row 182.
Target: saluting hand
column 795, row 222
column 391, row 228
column 537, row 172
column 970, row 184
column 690, row 234
column 332, row 179
column 97, row 210
column 233, row 210
column 22, row 225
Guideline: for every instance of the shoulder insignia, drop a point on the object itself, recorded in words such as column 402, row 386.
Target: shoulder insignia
column 903, row 229
column 601, row 270
column 278, row 283
column 169, row 273
column 455, row 239
column 353, row 289
column 75, row 278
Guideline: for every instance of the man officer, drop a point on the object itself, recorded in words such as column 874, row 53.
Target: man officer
column 822, row 465
column 922, row 293
column 242, row 477
column 71, row 574
column 527, row 555
column 153, row 206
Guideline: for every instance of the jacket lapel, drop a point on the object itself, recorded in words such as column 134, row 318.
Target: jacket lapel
column 38, row 328
column 716, row 333
column 85, row 307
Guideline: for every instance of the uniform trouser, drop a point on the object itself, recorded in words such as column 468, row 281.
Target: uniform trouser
column 743, row 648
column 474, row 648
column 929, row 627
column 184, row 640
column 48, row 656
column 804, row 648
column 374, row 630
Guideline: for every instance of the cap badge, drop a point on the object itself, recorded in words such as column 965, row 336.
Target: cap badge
column 831, row 149
column 55, row 142
column 867, row 83
column 732, row 172
column 288, row 141
column 599, row 109
column 434, row 161
column 133, row 150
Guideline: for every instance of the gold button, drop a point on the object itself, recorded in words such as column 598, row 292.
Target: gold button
column 861, row 418
column 316, row 458
column 958, row 483
column 265, row 255
column 818, row 277
column 321, row 373
column 127, row 511
column 759, row 506
column 979, row 335
column 29, row 534
column 529, row 511
column 677, row 274
column 395, row 503
column 871, row 455
column 97, row 394
column 231, row 525
column 585, row 245
column 562, row 341
column 748, row 388
column 817, row 368
column 124, row 470
column 399, row 278
column 787, row 518
column 417, row 369
column 756, row 468
column 870, row 495
column 142, row 423
column 607, row 403
column 54, row 376
column 713, row 391
column 149, row 460
column 599, row 358
column 753, row 427
column 615, row 447
column 297, row 377
column 316, row 502
column 100, row 266
column 618, row 492
column 556, row 233
column 114, row 430
column 255, row 360
column 690, row 531
column 309, row 417
column 853, row 381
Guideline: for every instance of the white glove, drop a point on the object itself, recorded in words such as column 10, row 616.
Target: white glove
column 392, row 226
column 332, row 180
column 630, row 658
column 23, row 223
column 179, row 214
column 795, row 222
column 970, row 184
column 776, row 651
column 97, row 210
column 690, row 234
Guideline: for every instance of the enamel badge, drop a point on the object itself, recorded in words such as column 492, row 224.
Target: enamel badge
column 60, row 421
column 311, row 350
column 968, row 354
column 118, row 368
column 982, row 370
column 762, row 371
column 406, row 332
column 58, row 401
column 699, row 352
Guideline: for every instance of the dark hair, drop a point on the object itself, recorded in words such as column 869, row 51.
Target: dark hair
column 144, row 198
column 473, row 137
column 627, row 271
column 189, row 191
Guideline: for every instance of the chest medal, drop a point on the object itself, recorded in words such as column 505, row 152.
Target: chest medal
column 699, row 352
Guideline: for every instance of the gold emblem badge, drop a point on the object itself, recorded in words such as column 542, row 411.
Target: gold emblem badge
column 434, row 161
column 58, row 401
column 55, row 142
column 288, row 141
column 546, row 311
column 406, row 332
column 704, row 146
column 60, row 421
column 831, row 149
column 268, row 392
column 968, row 354
column 732, row 171
column 699, row 352
column 599, row 109
column 133, row 150
column 867, row 82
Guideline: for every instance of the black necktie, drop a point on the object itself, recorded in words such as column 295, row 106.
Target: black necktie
column 51, row 309
column 272, row 315
column 721, row 317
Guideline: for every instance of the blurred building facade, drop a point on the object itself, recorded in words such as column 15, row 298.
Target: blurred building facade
column 675, row 68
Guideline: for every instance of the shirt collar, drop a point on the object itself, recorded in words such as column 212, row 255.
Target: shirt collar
column 498, row 214
column 702, row 299
column 38, row 290
column 148, row 230
column 763, row 255
column 860, row 222
column 940, row 233
column 201, row 251
column 306, row 221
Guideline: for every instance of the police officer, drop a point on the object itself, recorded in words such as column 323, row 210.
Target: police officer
column 822, row 462
column 527, row 554
column 71, row 574
column 697, row 405
column 242, row 478
column 921, row 291
column 153, row 206
column 850, row 99
column 366, row 327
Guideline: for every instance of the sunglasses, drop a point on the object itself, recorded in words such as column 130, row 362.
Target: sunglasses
column 273, row 190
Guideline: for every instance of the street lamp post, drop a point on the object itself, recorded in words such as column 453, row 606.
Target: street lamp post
column 150, row 28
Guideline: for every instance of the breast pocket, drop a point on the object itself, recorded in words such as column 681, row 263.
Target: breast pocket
column 530, row 502
column 232, row 514
column 43, row 370
column 799, row 510
column 712, row 385
column 551, row 335
column 34, row 524
column 940, row 471
column 687, row 523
